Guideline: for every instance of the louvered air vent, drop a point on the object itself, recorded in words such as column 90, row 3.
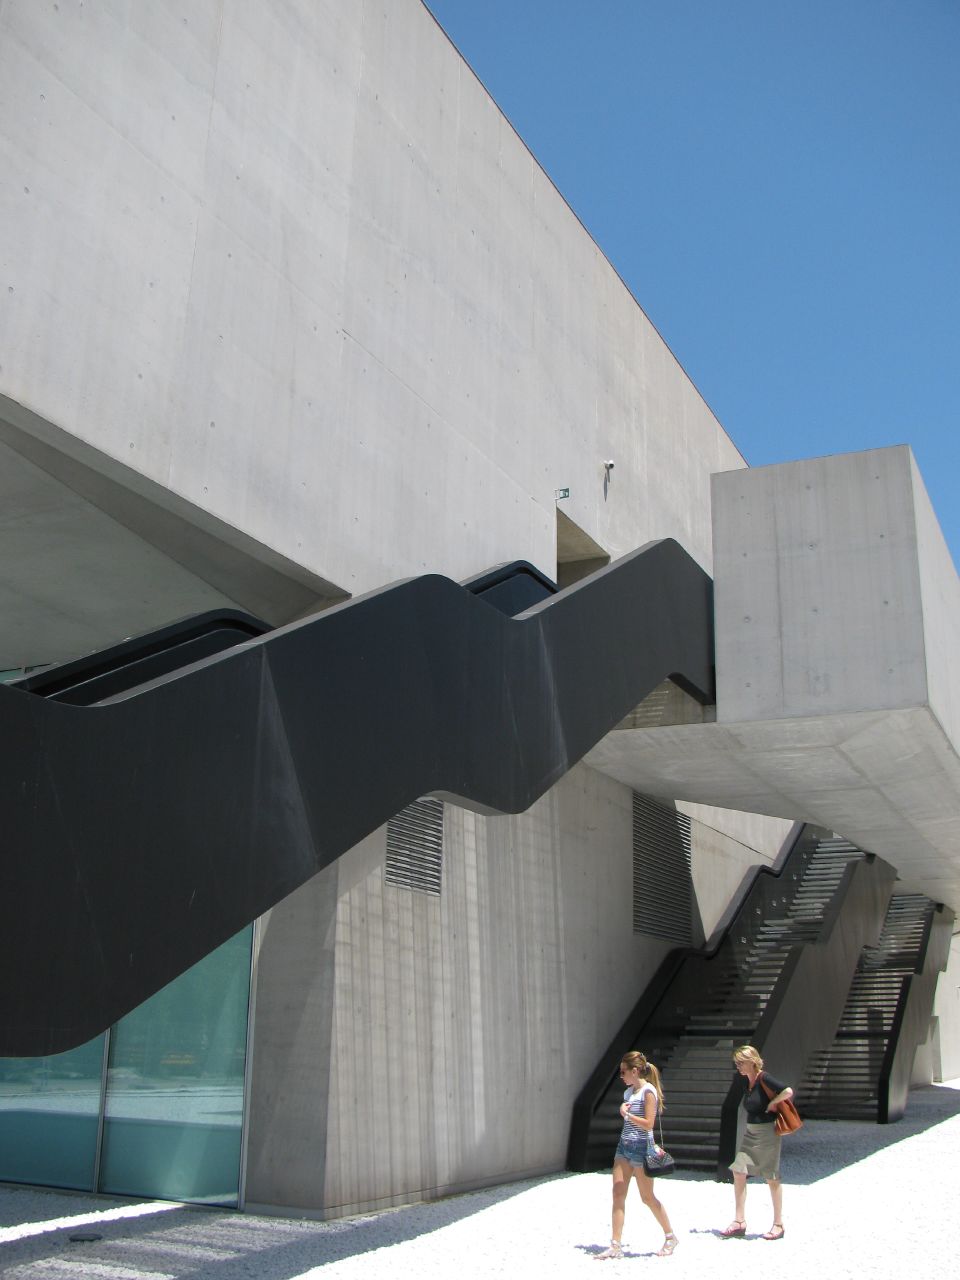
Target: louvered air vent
column 662, row 883
column 415, row 846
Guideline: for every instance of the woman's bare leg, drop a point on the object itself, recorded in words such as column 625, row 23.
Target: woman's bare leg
column 648, row 1195
column 621, row 1181
column 740, row 1197
column 776, row 1195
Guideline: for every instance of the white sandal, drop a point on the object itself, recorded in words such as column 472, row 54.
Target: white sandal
column 670, row 1242
column 615, row 1251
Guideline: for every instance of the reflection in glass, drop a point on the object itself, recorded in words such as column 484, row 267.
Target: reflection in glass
column 49, row 1110
column 174, row 1103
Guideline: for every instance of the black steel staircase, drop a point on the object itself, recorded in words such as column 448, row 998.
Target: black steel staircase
column 698, row 1067
column 851, row 1078
column 702, row 1004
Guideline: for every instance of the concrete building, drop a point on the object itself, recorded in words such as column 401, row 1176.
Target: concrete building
column 288, row 313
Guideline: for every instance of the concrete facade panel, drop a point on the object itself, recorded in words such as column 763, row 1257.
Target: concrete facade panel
column 296, row 177
column 946, row 1010
column 940, row 597
column 818, row 592
column 95, row 287
column 103, row 55
column 458, row 1024
column 724, row 846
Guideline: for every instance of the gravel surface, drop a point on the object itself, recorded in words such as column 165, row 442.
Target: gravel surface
column 860, row 1200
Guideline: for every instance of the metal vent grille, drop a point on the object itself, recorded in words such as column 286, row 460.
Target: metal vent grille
column 662, row 883
column 415, row 846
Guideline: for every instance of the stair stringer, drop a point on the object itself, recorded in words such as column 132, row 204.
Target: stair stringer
column 912, row 1020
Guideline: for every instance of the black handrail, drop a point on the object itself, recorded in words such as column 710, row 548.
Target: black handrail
column 890, row 1053
column 137, row 659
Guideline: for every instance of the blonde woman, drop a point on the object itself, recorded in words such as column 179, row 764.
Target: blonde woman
column 760, row 1146
column 642, row 1099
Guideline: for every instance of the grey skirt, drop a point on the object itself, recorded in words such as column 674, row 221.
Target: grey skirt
column 759, row 1152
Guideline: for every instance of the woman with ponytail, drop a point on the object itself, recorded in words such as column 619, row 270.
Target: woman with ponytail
column 642, row 1100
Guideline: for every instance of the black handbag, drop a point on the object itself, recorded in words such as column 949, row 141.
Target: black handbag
column 657, row 1163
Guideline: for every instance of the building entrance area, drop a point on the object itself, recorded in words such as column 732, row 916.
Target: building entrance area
column 153, row 1107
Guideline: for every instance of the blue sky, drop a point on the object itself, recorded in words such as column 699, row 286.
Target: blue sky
column 779, row 186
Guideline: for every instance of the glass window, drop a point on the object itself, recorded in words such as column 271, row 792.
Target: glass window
column 49, row 1111
column 174, row 1100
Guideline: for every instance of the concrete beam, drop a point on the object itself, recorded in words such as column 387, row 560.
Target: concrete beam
column 837, row 619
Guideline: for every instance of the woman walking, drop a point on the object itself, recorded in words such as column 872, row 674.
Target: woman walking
column 760, row 1146
column 642, row 1099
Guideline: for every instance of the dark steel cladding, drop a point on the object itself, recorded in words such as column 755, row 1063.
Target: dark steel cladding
column 142, row 831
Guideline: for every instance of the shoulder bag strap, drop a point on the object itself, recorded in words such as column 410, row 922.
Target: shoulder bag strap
column 656, row 1099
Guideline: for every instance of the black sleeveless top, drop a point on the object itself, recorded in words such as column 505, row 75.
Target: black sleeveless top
column 756, row 1101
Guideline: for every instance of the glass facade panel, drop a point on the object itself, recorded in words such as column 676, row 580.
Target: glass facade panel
column 174, row 1102
column 49, row 1112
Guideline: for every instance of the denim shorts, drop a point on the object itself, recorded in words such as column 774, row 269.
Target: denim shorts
column 633, row 1152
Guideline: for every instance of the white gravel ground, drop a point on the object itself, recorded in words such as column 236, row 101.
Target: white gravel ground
column 860, row 1200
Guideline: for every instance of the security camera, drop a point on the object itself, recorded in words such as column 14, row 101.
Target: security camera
column 609, row 465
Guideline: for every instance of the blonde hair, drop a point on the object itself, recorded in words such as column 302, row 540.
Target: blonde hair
column 747, row 1053
column 636, row 1061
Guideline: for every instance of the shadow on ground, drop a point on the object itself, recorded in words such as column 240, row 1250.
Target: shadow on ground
column 195, row 1243
column 192, row 1243
column 823, row 1147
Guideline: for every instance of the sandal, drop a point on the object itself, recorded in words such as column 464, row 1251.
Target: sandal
column 776, row 1232
column 670, row 1242
column 736, row 1228
column 615, row 1251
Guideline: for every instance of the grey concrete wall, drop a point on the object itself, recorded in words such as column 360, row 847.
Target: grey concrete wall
column 940, row 597
column 725, row 844
column 451, row 1034
column 946, row 1008
column 290, row 262
column 818, row 600
column 838, row 608
column 460, row 1027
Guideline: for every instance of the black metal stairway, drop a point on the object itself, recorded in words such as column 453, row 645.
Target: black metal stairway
column 697, row 1066
column 742, row 989
column 852, row 1078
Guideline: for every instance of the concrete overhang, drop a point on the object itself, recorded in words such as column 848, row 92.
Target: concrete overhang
column 92, row 552
column 838, row 697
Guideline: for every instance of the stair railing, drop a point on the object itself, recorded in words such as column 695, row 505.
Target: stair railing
column 677, row 965
column 808, row 999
